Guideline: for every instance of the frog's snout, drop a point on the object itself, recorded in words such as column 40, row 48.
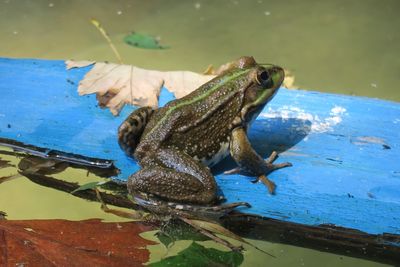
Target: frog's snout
column 278, row 75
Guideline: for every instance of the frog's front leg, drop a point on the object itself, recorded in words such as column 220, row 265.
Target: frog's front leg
column 173, row 175
column 249, row 161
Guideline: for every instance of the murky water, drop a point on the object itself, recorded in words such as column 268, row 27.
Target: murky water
column 349, row 47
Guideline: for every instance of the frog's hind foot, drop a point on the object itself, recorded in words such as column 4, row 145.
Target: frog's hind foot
column 161, row 207
column 213, row 212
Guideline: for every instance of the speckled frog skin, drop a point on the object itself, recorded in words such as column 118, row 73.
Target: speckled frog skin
column 176, row 144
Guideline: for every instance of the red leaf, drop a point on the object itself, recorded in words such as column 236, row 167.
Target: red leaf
column 72, row 243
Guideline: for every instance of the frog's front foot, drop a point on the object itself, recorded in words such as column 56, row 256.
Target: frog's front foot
column 270, row 168
column 270, row 160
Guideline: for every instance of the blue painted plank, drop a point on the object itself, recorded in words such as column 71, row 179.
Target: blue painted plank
column 345, row 150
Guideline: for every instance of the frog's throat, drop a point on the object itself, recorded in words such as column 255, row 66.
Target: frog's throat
column 223, row 81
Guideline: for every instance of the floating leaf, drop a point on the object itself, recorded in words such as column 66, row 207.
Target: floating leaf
column 73, row 243
column 197, row 255
column 143, row 41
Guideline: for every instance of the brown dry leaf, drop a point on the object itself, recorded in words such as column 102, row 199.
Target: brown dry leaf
column 117, row 85
column 289, row 80
column 68, row 243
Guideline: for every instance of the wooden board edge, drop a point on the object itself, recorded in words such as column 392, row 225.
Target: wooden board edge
column 384, row 248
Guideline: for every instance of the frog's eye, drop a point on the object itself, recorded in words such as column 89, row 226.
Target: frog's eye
column 262, row 77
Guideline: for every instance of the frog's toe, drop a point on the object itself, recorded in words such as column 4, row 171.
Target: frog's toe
column 233, row 171
column 268, row 183
column 272, row 157
column 270, row 160
column 273, row 167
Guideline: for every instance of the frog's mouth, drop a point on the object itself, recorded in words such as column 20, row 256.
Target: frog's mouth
column 278, row 75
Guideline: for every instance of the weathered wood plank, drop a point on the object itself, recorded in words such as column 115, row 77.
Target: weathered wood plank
column 345, row 150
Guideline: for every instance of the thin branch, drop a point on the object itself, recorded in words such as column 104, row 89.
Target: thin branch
column 105, row 35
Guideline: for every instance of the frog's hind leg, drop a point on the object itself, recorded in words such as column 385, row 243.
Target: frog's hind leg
column 173, row 175
column 131, row 129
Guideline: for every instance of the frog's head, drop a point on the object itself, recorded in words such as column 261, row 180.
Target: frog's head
column 262, row 84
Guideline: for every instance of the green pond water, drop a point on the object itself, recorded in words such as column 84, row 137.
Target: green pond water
column 349, row 47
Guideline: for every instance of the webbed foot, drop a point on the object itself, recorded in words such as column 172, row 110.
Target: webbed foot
column 263, row 178
column 272, row 167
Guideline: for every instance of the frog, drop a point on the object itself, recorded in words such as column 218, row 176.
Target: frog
column 177, row 144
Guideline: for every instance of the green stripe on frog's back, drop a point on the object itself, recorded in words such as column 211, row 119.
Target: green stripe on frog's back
column 195, row 99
